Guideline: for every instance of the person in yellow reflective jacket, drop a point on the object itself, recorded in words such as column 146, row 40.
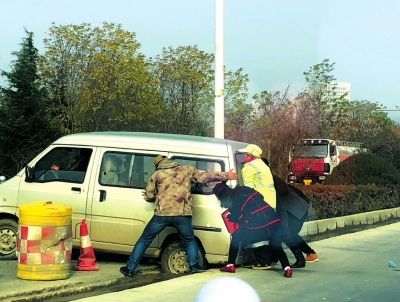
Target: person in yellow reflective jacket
column 258, row 176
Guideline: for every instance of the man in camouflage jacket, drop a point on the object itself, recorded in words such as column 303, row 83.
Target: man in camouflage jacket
column 169, row 188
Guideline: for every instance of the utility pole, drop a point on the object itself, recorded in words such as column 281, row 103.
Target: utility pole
column 219, row 118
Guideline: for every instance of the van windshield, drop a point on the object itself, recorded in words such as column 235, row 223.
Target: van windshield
column 320, row 151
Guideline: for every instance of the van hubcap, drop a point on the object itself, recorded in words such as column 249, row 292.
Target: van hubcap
column 8, row 241
column 178, row 262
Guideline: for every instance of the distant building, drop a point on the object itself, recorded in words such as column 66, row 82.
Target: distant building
column 340, row 88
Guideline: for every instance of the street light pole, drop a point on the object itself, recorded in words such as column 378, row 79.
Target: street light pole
column 219, row 118
column 381, row 107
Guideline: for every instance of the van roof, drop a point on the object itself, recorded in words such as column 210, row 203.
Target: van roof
column 153, row 141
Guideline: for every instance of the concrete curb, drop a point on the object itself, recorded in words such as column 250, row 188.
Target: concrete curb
column 321, row 226
column 72, row 286
column 57, row 291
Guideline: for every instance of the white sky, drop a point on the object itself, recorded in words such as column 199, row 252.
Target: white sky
column 273, row 41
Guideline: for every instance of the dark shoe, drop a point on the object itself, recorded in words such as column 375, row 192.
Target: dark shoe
column 194, row 269
column 126, row 271
column 259, row 266
column 300, row 260
column 263, row 254
column 288, row 272
column 298, row 264
column 229, row 268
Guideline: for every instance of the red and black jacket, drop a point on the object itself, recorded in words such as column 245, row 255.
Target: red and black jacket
column 250, row 211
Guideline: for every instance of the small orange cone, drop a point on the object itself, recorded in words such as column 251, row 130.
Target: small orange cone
column 86, row 260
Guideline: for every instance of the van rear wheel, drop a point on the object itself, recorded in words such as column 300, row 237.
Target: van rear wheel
column 8, row 239
column 174, row 258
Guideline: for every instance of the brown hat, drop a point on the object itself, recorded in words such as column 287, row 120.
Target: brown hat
column 158, row 159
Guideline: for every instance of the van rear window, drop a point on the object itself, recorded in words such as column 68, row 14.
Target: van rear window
column 201, row 164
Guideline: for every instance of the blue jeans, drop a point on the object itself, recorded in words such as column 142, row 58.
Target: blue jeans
column 183, row 224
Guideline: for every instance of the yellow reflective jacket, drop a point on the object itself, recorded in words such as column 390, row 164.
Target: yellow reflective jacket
column 258, row 176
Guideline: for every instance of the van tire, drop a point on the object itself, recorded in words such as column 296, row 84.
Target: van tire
column 8, row 239
column 174, row 260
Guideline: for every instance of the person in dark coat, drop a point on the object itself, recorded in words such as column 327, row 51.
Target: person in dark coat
column 256, row 222
column 292, row 208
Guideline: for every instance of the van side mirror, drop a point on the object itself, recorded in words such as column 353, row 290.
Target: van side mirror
column 29, row 173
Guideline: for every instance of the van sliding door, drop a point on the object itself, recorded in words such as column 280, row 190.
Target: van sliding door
column 119, row 212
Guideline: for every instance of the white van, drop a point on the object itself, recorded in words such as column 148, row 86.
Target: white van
column 101, row 175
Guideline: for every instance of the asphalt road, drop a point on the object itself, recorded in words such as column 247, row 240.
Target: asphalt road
column 355, row 261
column 352, row 267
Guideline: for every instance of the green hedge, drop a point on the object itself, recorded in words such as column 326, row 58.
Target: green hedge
column 363, row 183
column 364, row 169
column 329, row 201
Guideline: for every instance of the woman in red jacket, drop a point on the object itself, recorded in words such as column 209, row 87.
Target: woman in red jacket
column 256, row 221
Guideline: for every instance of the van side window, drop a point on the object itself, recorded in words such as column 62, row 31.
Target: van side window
column 201, row 164
column 123, row 169
column 63, row 164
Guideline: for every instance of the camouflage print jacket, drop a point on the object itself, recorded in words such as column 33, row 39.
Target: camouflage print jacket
column 169, row 187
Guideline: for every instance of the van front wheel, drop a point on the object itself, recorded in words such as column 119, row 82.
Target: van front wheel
column 174, row 259
column 8, row 239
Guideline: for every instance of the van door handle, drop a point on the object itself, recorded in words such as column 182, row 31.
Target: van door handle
column 102, row 196
column 76, row 189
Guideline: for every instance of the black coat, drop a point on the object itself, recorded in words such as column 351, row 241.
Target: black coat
column 293, row 199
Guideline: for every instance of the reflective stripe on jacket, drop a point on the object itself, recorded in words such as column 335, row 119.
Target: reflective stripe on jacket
column 256, row 218
column 258, row 176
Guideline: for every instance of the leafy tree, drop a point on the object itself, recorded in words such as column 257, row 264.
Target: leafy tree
column 327, row 108
column 25, row 125
column 279, row 121
column 386, row 145
column 99, row 80
column 238, row 112
column 184, row 76
column 365, row 123
column 274, row 129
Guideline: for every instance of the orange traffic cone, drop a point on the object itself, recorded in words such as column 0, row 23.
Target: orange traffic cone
column 86, row 260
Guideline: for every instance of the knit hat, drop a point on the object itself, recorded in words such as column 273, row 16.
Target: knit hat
column 251, row 149
column 158, row 159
